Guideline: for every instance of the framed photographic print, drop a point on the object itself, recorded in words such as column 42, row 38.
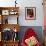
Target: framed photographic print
column 30, row 13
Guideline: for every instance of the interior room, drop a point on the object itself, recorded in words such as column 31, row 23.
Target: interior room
column 22, row 23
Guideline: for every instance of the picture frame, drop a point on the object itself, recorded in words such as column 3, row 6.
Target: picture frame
column 13, row 12
column 30, row 13
column 5, row 12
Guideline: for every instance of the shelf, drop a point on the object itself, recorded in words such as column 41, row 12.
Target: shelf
column 9, row 10
column 10, row 26
column 11, row 41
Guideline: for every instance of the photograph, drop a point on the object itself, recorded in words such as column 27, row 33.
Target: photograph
column 30, row 13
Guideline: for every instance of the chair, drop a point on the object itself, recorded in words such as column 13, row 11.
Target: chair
column 28, row 34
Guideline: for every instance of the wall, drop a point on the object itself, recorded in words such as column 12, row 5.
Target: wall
column 38, row 30
column 25, row 3
column 39, row 14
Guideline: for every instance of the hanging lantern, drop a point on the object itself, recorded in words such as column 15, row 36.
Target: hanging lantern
column 15, row 3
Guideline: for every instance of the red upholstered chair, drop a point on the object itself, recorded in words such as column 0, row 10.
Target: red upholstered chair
column 29, row 33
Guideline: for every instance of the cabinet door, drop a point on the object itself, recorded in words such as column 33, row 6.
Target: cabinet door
column 10, row 44
column 0, row 43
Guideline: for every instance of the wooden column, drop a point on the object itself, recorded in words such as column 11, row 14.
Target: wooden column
column 44, row 6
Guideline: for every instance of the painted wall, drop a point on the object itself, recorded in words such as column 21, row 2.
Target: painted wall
column 37, row 29
column 25, row 3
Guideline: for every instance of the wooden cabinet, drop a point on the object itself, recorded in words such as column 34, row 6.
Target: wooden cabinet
column 9, row 23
